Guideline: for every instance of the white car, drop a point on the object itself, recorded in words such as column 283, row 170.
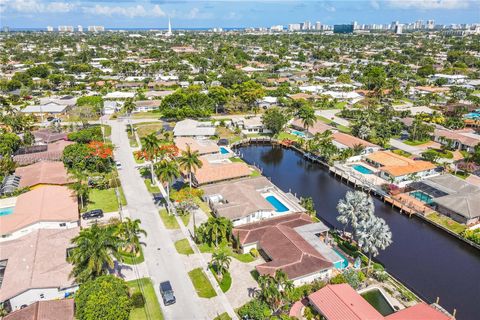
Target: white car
column 118, row 164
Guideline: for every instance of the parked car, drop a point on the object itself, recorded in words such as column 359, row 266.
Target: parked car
column 167, row 293
column 118, row 164
column 93, row 214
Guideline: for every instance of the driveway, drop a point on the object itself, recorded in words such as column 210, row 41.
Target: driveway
column 161, row 259
column 330, row 114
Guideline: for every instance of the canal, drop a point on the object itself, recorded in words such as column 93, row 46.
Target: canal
column 426, row 259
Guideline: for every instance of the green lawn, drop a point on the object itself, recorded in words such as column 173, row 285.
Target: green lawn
column 226, row 282
column 131, row 139
column 152, row 309
column 201, row 283
column 185, row 219
column 147, row 115
column 332, row 123
column 107, row 131
column 183, row 247
column 289, row 136
column 223, row 316
column 340, row 105
column 104, row 199
column 402, row 153
column 416, row 142
column 461, row 174
column 146, row 128
column 129, row 258
column 236, row 159
column 169, row 220
column 151, row 188
column 447, row 222
column 242, row 257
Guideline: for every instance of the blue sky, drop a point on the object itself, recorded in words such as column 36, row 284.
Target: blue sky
column 229, row 13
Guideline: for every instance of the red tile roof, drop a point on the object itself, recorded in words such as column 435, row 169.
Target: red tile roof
column 43, row 172
column 45, row 310
column 420, row 311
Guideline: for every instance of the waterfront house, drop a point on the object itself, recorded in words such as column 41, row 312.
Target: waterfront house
column 47, row 207
column 284, row 248
column 193, row 128
column 34, row 268
column 217, row 168
column 45, row 310
column 317, row 127
column 203, row 146
column 345, row 141
column 248, row 200
column 398, row 169
column 251, row 125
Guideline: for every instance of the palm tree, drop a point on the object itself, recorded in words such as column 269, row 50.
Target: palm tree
column 373, row 234
column 129, row 231
column 356, row 207
column 221, row 262
column 218, row 230
column 80, row 186
column 358, row 149
column 129, row 106
column 93, row 254
column 307, row 115
column 151, row 148
column 190, row 161
column 167, row 172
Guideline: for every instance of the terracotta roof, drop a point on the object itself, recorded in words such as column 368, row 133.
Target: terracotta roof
column 342, row 302
column 43, row 172
column 397, row 165
column 318, row 126
column 461, row 136
column 432, row 89
column 45, row 310
column 48, row 203
column 37, row 260
column 305, row 96
column 203, row 146
column 420, row 311
column 54, row 152
column 350, row 141
column 220, row 171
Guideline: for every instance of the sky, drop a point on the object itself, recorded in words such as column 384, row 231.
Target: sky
column 229, row 13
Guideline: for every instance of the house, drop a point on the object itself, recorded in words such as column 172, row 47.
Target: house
column 203, row 146
column 42, row 173
column 284, row 248
column 344, row 141
column 44, row 136
column 119, row 95
column 341, row 301
column 458, row 139
column 146, row 105
column 51, row 152
column 158, row 94
column 217, row 168
column 248, row 200
column 251, row 125
column 193, row 128
column 45, row 310
column 48, row 207
column 267, row 102
column 451, row 78
column 34, row 268
column 398, row 169
column 111, row 106
column 317, row 127
column 48, row 108
column 452, row 197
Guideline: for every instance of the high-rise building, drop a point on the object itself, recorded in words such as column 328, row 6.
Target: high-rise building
column 419, row 24
column 80, row 28
column 430, row 24
column 65, row 28
column 169, row 32
column 306, row 25
column 96, row 28
column 294, row 27
column 318, row 26
column 355, row 25
column 398, row 29
column 49, row 28
column 6, row 29
column 276, row 28
column 394, row 25
column 343, row 28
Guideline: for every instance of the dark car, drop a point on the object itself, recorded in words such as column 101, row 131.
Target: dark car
column 167, row 293
column 93, row 214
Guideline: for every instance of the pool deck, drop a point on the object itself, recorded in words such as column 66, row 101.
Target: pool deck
column 8, row 202
column 408, row 204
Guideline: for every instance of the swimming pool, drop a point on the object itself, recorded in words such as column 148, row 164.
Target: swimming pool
column 472, row 115
column 422, row 196
column 224, row 150
column 362, row 169
column 377, row 300
column 298, row 133
column 279, row 206
column 341, row 264
column 6, row 211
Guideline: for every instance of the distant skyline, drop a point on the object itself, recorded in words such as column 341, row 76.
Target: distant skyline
column 230, row 13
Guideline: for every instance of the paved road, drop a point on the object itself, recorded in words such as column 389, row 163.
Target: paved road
column 331, row 114
column 162, row 260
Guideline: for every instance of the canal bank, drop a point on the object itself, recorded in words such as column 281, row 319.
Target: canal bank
column 427, row 260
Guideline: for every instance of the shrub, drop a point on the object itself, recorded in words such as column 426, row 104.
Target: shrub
column 255, row 310
column 339, row 278
column 380, row 276
column 254, row 252
column 137, row 300
column 88, row 134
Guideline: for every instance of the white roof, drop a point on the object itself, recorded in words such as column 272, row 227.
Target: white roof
column 342, row 95
column 270, row 99
column 50, row 107
column 189, row 128
column 119, row 95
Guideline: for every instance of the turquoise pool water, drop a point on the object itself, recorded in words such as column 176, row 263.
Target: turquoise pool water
column 378, row 301
column 6, row 211
column 341, row 264
column 279, row 207
column 472, row 115
column 224, row 150
column 362, row 169
column 298, row 133
column 425, row 198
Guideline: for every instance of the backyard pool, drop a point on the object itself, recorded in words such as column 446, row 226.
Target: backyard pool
column 362, row 169
column 277, row 204
column 224, row 150
column 378, row 301
column 341, row 264
column 6, row 211
column 425, row 198
column 298, row 133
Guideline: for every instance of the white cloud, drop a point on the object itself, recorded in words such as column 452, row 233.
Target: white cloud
column 429, row 4
column 36, row 6
column 127, row 11
column 375, row 4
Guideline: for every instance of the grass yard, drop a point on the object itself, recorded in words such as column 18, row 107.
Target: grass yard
column 461, row 174
column 169, row 220
column 223, row 316
column 333, row 123
column 147, row 115
column 107, row 131
column 104, row 199
column 144, row 129
column 285, row 135
column 242, row 257
column 415, row 142
column 402, row 153
column 151, row 188
column 152, row 309
column 201, row 283
column 447, row 222
column 183, row 247
column 131, row 139
column 185, row 219
column 129, row 258
column 225, row 133
column 226, row 282
column 236, row 159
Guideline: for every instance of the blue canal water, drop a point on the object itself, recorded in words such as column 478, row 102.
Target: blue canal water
column 428, row 260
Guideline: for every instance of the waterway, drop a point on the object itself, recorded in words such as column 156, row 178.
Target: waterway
column 428, row 260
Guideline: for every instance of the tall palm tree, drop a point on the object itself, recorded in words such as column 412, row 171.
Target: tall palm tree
column 218, row 229
column 151, row 147
column 373, row 234
column 93, row 254
column 129, row 231
column 307, row 115
column 221, row 262
column 356, row 207
column 80, row 186
column 167, row 172
column 190, row 161
column 129, row 106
